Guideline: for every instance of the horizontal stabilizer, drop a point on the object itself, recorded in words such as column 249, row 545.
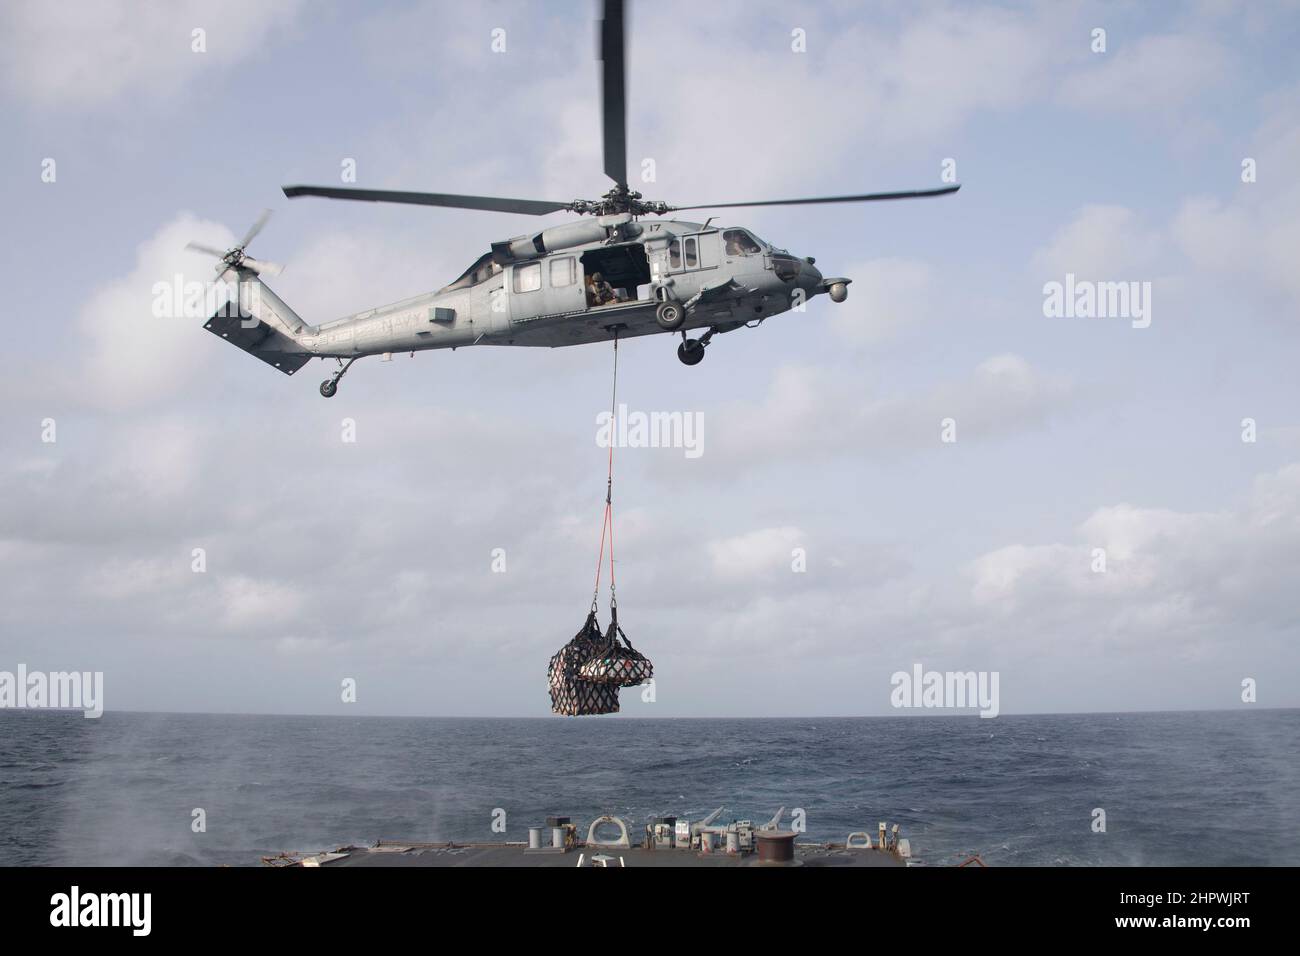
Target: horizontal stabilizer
column 260, row 340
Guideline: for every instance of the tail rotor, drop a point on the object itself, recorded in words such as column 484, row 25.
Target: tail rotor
column 236, row 258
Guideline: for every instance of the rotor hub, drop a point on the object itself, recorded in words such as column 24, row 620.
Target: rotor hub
column 619, row 199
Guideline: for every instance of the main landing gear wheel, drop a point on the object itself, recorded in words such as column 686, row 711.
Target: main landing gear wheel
column 331, row 385
column 691, row 352
column 670, row 316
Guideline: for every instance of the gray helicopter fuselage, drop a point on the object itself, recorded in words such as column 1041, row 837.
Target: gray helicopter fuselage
column 542, row 289
column 526, row 293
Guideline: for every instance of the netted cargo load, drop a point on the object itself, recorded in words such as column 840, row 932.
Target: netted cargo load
column 571, row 694
column 616, row 661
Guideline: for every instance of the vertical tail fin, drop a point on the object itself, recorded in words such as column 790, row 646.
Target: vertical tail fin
column 260, row 323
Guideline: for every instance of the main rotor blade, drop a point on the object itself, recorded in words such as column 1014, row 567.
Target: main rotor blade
column 865, row 197
column 200, row 247
column 254, row 229
column 527, row 207
column 613, row 87
column 262, row 266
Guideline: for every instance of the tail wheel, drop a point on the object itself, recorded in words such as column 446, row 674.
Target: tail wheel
column 670, row 316
column 328, row 388
column 691, row 352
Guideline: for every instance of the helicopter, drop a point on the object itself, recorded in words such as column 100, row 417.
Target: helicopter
column 613, row 275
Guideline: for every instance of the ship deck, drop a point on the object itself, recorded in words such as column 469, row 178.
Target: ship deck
column 517, row 854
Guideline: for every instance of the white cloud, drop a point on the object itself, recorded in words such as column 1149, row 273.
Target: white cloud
column 1153, row 74
column 130, row 580
column 87, row 54
column 1101, row 242
column 1252, row 238
column 1002, row 395
column 1176, row 578
column 132, row 356
column 1256, row 240
column 755, row 552
column 249, row 604
column 993, row 61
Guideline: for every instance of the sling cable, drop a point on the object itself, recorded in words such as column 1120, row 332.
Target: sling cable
column 586, row 674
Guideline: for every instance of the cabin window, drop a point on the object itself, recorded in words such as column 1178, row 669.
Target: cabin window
column 528, row 278
column 740, row 243
column 562, row 272
column 687, row 253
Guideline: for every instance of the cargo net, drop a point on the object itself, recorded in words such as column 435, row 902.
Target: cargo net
column 617, row 662
column 571, row 694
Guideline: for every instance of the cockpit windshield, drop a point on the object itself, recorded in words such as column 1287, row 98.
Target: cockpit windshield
column 482, row 270
column 741, row 243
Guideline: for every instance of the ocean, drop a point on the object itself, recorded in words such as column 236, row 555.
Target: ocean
column 1195, row 788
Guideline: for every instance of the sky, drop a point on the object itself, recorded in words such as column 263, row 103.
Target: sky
column 1166, row 159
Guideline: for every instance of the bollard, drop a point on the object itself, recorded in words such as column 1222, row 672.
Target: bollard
column 775, row 846
column 733, row 842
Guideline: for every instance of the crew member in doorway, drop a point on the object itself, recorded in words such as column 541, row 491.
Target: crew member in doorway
column 599, row 292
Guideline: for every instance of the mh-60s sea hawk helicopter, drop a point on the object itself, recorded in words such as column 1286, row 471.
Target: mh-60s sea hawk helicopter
column 612, row 276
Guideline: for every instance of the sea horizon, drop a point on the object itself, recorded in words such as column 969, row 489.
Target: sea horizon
column 903, row 712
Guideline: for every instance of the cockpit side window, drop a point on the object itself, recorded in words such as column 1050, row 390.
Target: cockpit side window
column 740, row 243
column 484, row 268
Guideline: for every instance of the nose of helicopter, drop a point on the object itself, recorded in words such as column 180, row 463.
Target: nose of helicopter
column 810, row 277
